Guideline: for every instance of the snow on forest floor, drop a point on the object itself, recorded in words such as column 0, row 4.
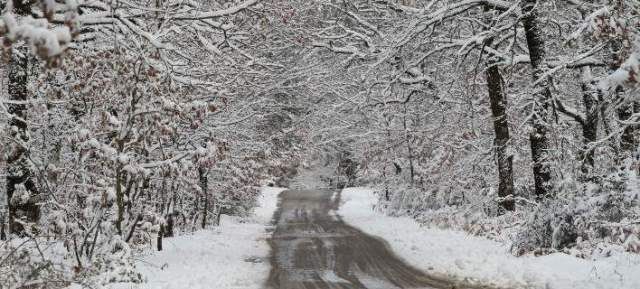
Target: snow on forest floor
column 482, row 261
column 231, row 256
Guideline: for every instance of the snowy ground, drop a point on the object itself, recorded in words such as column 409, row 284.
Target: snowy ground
column 231, row 256
column 482, row 261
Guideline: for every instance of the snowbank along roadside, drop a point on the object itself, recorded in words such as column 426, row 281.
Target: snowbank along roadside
column 231, row 256
column 482, row 261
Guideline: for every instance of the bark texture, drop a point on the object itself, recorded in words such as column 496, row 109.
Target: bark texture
column 538, row 138
column 498, row 102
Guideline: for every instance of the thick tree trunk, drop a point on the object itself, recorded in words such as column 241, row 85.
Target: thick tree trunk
column 498, row 102
column 538, row 137
column 501, row 128
column 18, row 169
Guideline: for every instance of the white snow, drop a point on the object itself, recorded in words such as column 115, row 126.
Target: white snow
column 267, row 204
column 231, row 256
column 479, row 260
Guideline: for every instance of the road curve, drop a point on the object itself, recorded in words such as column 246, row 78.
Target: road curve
column 312, row 248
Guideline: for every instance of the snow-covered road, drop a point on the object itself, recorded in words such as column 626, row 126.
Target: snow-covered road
column 313, row 248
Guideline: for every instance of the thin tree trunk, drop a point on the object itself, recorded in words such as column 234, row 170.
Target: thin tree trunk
column 122, row 190
column 3, row 235
column 407, row 138
column 538, row 137
column 205, row 196
column 119, row 201
column 627, row 139
column 159, row 238
column 205, row 208
column 590, row 126
column 217, row 209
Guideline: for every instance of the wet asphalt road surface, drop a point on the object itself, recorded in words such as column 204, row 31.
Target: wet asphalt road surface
column 313, row 248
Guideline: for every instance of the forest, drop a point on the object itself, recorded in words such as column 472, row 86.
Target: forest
column 125, row 124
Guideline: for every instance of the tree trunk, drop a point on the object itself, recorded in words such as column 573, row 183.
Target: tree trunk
column 3, row 235
column 217, row 211
column 167, row 230
column 205, row 197
column 498, row 102
column 18, row 169
column 590, row 126
column 627, row 139
column 119, row 201
column 159, row 238
column 501, row 128
column 407, row 138
column 122, row 190
column 538, row 137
